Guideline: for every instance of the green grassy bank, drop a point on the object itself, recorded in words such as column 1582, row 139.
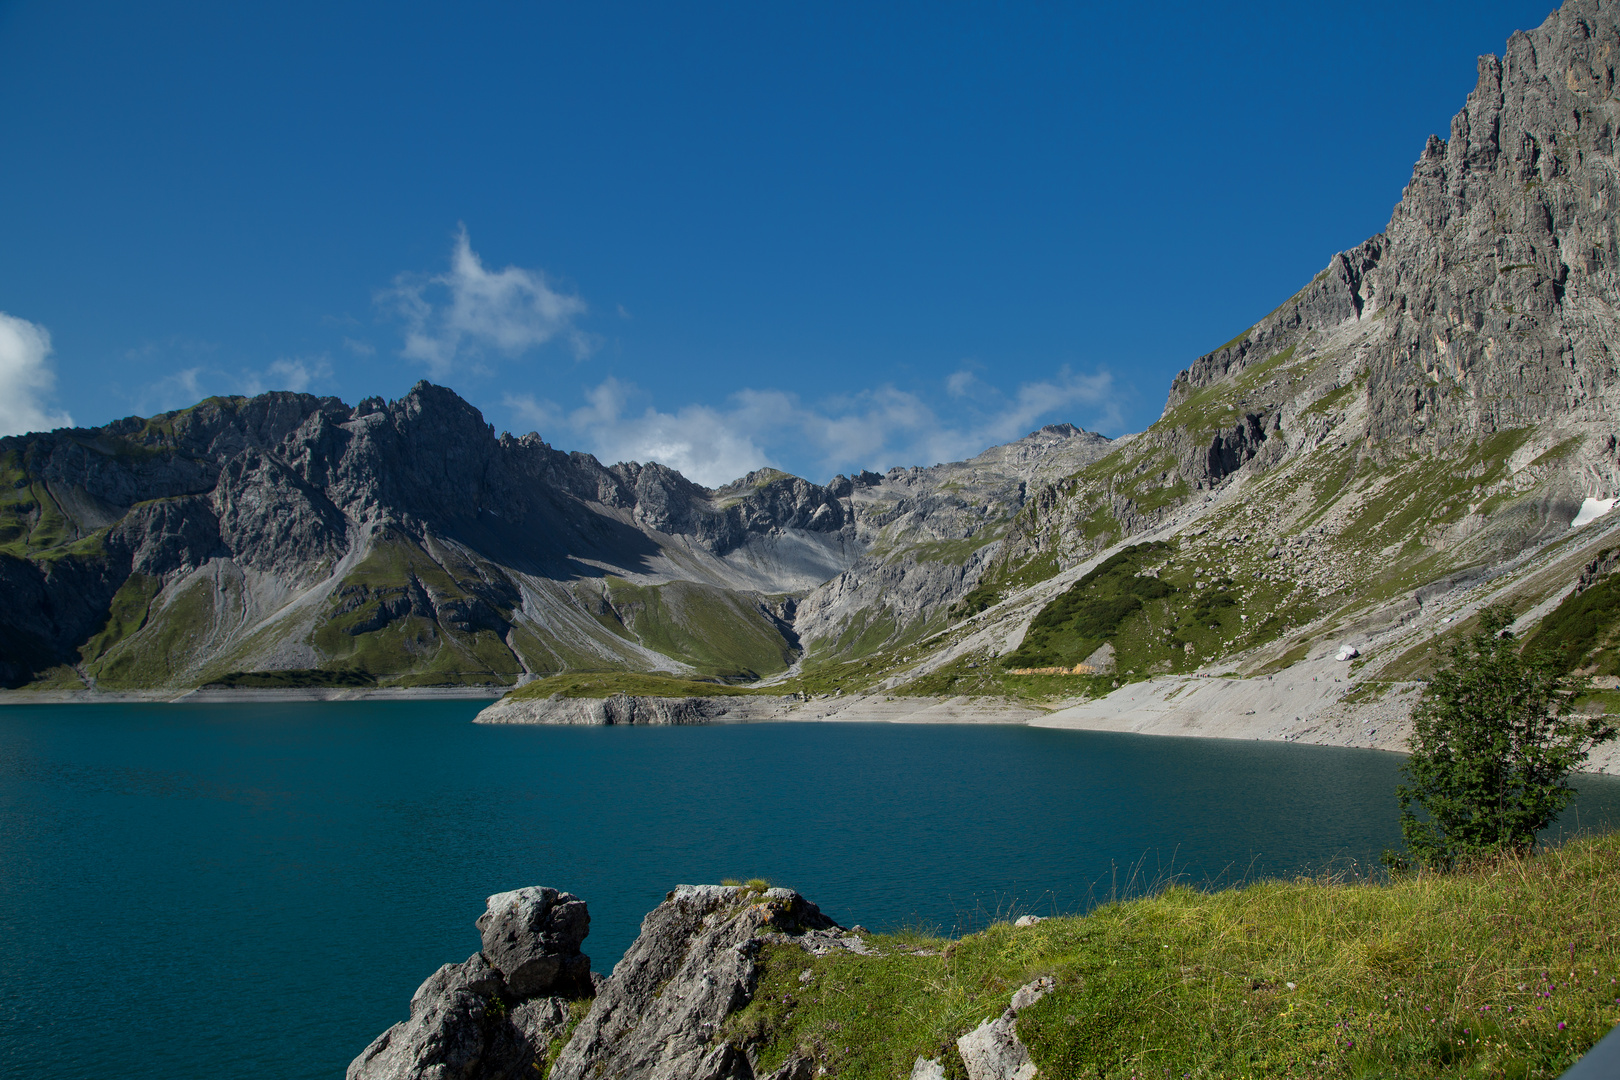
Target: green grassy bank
column 1504, row 971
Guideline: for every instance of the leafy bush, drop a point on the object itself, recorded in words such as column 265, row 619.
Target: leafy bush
column 982, row 597
column 1494, row 740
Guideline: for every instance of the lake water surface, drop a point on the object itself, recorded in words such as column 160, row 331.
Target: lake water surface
column 256, row 890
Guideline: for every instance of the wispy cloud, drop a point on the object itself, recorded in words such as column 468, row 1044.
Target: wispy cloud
column 874, row 428
column 186, row 386
column 455, row 318
column 176, row 390
column 291, row 373
column 26, row 378
column 704, row 444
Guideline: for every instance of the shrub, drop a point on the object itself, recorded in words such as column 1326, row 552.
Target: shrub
column 1494, row 740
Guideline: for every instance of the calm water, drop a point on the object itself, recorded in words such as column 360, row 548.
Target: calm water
column 204, row 891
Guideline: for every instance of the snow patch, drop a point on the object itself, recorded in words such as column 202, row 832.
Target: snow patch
column 1591, row 510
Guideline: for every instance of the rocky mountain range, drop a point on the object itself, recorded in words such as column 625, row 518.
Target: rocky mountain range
column 404, row 543
column 1427, row 425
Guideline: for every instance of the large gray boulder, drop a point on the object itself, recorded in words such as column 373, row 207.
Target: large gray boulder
column 494, row 1016
column 532, row 936
column 993, row 1051
column 658, row 1017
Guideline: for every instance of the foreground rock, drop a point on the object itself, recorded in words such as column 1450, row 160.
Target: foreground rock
column 993, row 1051
column 659, row 1016
column 494, row 1016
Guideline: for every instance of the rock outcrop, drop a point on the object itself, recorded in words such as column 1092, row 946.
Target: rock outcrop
column 993, row 1051
column 631, row 709
column 532, row 937
column 659, row 1016
column 494, row 1016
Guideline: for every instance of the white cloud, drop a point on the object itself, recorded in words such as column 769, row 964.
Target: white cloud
column 960, row 383
column 454, row 317
column 708, row 445
column 26, row 378
column 358, row 347
column 291, row 373
column 874, row 428
column 179, row 390
column 184, row 388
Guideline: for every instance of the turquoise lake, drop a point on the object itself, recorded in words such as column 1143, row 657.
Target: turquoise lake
column 256, row 890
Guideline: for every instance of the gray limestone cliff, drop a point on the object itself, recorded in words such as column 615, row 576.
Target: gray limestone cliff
column 518, row 1007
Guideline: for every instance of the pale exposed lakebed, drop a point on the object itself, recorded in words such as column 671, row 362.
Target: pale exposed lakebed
column 256, row 890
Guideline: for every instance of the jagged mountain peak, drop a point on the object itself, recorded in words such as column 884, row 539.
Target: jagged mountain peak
column 1432, row 408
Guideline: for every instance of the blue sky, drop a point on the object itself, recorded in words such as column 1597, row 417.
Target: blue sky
column 822, row 237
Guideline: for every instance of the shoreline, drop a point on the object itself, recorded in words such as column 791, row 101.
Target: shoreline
column 1302, row 704
column 248, row 695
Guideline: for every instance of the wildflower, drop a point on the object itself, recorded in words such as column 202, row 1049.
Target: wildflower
column 1560, row 1025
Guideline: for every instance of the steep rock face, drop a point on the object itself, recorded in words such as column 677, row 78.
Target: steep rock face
column 1496, row 278
column 658, row 1017
column 1500, row 271
column 494, row 1016
column 1487, row 307
column 929, row 534
column 270, row 519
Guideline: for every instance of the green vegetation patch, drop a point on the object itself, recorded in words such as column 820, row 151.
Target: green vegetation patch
column 289, row 679
column 1334, row 398
column 865, row 634
column 717, row 631
column 981, row 598
column 1584, row 624
column 1202, row 600
column 955, row 552
column 379, row 620
column 1420, row 491
column 176, row 624
column 602, row 684
column 983, row 677
column 126, row 615
column 1218, row 406
column 1090, row 612
column 1507, row 970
